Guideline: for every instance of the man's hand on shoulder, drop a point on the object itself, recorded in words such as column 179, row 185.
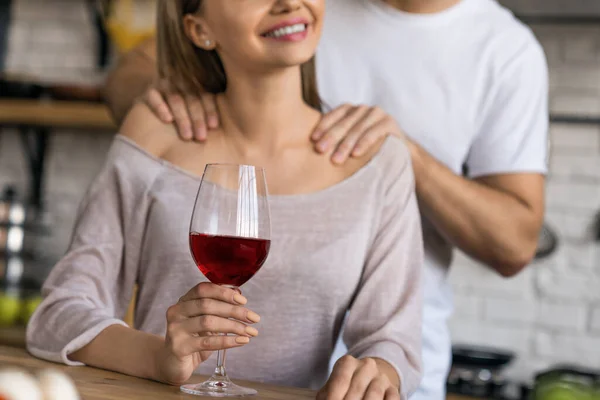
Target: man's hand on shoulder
column 192, row 115
column 354, row 132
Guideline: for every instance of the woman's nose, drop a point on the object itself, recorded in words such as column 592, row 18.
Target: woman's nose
column 283, row 6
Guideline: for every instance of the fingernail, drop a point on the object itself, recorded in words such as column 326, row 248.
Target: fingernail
column 322, row 146
column 242, row 340
column 252, row 316
column 316, row 135
column 357, row 151
column 238, row 298
column 200, row 134
column 213, row 122
column 251, row 331
column 338, row 157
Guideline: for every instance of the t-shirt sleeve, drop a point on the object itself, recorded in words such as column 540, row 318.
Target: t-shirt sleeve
column 91, row 286
column 385, row 317
column 513, row 132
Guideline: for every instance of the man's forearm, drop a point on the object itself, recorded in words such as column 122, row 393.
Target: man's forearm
column 490, row 225
column 130, row 79
column 122, row 349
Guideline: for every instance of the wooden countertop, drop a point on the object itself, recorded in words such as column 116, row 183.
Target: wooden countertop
column 12, row 336
column 56, row 114
column 96, row 384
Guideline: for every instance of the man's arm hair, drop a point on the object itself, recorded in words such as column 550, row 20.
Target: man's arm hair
column 130, row 79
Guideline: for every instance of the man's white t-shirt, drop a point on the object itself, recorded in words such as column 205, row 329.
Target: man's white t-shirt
column 468, row 84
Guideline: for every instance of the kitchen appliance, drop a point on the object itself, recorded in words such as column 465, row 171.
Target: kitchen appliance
column 478, row 371
column 547, row 242
column 567, row 382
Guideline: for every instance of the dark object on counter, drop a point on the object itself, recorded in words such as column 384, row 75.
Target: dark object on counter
column 547, row 242
column 568, row 383
column 477, row 371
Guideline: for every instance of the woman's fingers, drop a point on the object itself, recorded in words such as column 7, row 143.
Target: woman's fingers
column 204, row 299
column 212, row 291
column 182, row 344
column 339, row 382
column 363, row 376
column 353, row 379
column 380, row 389
column 211, row 324
column 220, row 342
column 205, row 306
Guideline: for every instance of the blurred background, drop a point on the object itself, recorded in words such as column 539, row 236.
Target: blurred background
column 61, row 50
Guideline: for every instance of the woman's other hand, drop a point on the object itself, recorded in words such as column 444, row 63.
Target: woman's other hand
column 194, row 326
column 364, row 379
column 194, row 115
column 353, row 130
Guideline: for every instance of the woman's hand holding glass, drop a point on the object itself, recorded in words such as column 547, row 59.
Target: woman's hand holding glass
column 194, row 325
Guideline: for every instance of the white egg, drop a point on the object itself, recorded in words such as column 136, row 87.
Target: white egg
column 16, row 384
column 57, row 386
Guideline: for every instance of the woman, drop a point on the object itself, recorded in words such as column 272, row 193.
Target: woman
column 344, row 237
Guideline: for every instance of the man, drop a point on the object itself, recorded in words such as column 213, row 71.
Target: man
column 467, row 83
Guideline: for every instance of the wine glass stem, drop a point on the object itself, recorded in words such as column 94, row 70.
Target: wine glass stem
column 220, row 370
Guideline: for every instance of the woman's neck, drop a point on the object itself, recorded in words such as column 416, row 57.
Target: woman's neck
column 265, row 111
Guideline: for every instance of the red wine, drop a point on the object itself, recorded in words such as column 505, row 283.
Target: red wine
column 228, row 260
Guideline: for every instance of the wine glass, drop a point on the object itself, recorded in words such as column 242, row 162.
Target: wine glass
column 230, row 237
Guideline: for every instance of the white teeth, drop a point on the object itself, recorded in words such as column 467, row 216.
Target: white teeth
column 288, row 30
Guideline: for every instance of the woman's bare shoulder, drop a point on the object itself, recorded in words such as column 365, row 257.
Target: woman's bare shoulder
column 145, row 129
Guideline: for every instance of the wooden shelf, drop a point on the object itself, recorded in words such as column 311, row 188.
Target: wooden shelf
column 56, row 114
column 557, row 19
column 575, row 119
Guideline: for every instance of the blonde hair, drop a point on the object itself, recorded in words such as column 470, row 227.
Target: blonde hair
column 192, row 69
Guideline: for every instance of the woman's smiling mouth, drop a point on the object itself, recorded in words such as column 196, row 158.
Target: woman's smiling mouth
column 290, row 31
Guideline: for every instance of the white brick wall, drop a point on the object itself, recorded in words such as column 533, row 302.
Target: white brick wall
column 595, row 320
column 549, row 313
column 61, row 39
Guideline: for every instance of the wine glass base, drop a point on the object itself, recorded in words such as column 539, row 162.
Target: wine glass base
column 218, row 388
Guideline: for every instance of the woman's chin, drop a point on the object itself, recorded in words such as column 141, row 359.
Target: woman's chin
column 291, row 60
